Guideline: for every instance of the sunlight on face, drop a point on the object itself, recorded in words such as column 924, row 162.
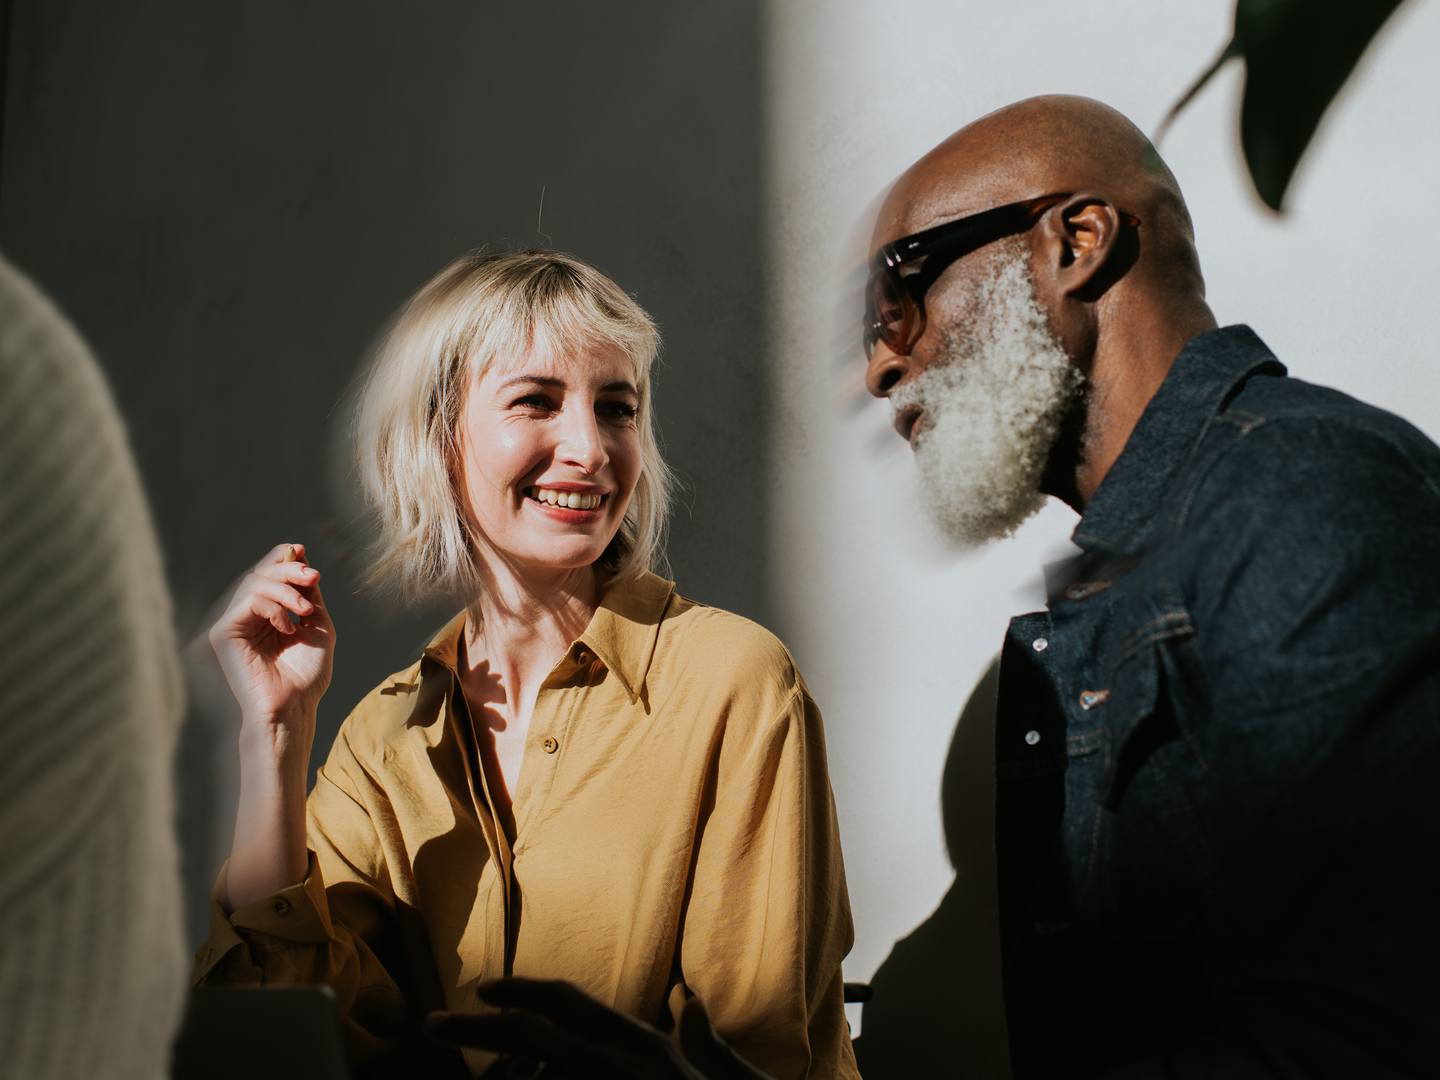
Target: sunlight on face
column 550, row 455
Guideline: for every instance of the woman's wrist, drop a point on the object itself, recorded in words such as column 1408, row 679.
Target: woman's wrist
column 273, row 742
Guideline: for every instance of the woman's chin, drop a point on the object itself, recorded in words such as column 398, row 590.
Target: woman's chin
column 544, row 558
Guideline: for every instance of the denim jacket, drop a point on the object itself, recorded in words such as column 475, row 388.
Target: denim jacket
column 1218, row 751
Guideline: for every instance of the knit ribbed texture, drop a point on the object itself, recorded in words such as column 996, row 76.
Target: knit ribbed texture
column 91, row 958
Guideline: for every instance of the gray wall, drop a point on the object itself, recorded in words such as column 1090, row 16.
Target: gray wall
column 229, row 199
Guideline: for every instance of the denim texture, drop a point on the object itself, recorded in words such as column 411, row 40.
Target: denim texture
column 1218, row 750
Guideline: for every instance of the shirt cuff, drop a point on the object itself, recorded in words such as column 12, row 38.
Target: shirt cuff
column 298, row 915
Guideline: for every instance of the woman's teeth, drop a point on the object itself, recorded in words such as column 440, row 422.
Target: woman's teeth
column 572, row 500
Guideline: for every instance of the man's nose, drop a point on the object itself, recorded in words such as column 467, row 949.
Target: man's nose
column 885, row 371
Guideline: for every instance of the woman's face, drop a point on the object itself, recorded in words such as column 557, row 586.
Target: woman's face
column 550, row 455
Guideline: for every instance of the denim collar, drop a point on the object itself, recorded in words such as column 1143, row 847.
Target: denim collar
column 1210, row 370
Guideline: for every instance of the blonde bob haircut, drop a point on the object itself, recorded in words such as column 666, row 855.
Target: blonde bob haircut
column 481, row 307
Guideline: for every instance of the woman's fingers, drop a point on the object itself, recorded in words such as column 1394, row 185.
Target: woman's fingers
column 522, row 1035
column 704, row 1048
column 261, row 598
column 567, row 1005
column 283, row 553
column 295, row 573
column 266, row 595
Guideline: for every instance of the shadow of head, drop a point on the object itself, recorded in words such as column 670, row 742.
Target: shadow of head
column 937, row 1006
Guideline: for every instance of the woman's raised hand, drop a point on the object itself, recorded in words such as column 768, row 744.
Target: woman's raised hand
column 277, row 667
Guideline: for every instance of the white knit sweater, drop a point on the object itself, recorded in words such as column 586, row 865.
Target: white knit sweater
column 91, row 965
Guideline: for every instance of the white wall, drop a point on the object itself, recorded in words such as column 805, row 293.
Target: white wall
column 890, row 633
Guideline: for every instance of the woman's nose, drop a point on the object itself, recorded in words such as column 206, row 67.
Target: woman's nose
column 886, row 369
column 582, row 445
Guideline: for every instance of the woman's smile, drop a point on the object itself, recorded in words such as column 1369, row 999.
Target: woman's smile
column 568, row 502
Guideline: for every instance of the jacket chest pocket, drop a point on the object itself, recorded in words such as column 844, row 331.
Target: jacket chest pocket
column 1154, row 773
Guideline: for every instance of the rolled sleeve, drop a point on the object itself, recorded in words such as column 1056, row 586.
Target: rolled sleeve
column 298, row 915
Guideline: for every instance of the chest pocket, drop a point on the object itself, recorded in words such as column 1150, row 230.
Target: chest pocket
column 1150, row 754
column 1140, row 716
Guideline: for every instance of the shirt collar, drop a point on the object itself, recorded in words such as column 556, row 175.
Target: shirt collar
column 444, row 647
column 626, row 626
column 622, row 632
column 1206, row 375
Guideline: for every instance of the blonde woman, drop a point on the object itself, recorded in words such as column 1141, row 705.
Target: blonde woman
column 586, row 776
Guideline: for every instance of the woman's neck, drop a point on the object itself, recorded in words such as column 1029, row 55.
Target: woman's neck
column 517, row 630
column 523, row 621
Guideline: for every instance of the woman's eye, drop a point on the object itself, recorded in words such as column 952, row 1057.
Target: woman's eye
column 534, row 401
column 617, row 410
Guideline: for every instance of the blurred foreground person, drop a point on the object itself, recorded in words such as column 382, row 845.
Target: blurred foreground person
column 1216, row 751
column 586, row 776
column 92, row 973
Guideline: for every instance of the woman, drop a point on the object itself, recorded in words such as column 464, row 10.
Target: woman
column 586, row 776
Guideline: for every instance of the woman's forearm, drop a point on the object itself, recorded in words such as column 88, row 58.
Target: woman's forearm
column 269, row 852
column 275, row 643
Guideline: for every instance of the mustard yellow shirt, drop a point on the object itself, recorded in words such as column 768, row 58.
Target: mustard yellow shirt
column 675, row 833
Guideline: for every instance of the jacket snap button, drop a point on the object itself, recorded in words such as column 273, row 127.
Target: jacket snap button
column 1032, row 737
column 551, row 744
column 1041, row 644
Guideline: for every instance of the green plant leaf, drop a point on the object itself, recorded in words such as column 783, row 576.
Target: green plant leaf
column 1298, row 54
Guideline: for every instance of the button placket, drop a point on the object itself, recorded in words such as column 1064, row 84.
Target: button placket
column 559, row 706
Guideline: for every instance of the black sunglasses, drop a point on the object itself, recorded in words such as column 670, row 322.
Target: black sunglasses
column 903, row 271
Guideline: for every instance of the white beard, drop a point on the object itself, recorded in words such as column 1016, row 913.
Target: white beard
column 994, row 401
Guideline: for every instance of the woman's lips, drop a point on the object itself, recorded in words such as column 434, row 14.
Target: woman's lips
column 567, row 497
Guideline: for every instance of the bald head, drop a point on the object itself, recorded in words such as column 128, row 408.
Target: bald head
column 1048, row 145
column 1110, row 268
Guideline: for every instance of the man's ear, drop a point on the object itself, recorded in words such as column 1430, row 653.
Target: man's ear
column 1087, row 245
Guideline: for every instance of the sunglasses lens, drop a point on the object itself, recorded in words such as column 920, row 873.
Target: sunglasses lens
column 887, row 313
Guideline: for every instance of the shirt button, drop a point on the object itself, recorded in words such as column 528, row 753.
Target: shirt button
column 551, row 744
column 1032, row 737
column 582, row 657
column 1040, row 644
column 280, row 906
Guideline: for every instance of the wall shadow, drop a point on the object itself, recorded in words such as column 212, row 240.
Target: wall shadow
column 230, row 199
column 938, row 1008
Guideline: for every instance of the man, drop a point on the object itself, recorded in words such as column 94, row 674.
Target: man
column 1215, row 750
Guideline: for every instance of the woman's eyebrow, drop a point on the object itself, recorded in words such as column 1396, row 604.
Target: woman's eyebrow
column 540, row 380
column 622, row 385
